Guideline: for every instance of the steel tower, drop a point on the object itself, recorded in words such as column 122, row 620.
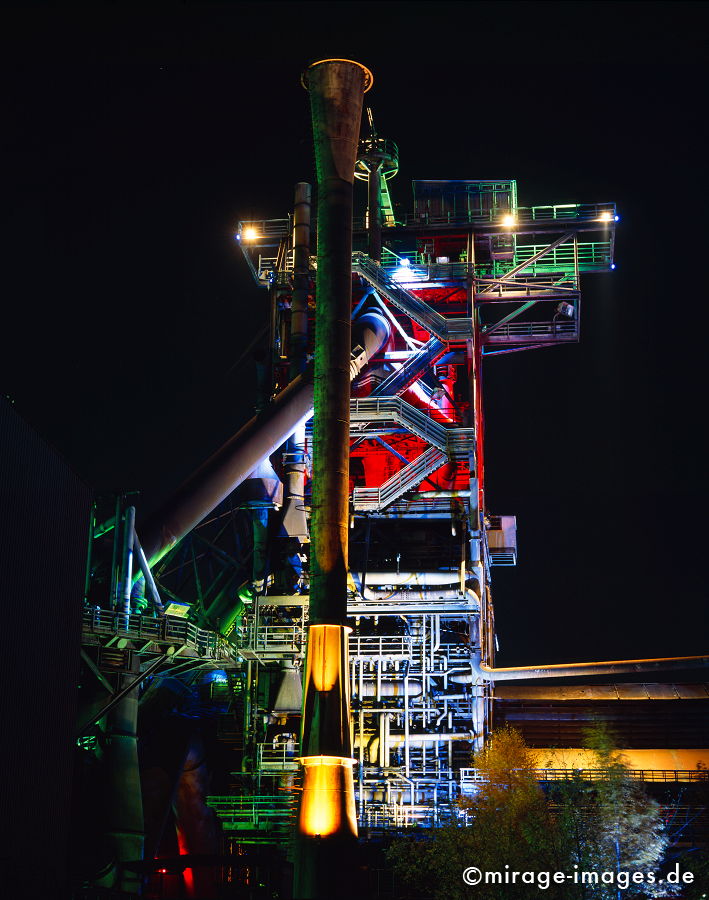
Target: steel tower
column 205, row 619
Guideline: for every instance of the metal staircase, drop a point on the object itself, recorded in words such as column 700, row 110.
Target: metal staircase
column 444, row 329
column 404, row 480
column 366, row 410
column 412, row 369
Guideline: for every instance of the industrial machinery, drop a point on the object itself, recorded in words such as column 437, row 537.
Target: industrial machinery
column 209, row 611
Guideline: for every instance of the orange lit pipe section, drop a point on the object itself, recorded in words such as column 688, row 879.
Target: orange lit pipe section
column 328, row 802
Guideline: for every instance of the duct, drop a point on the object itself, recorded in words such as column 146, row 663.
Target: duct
column 290, row 694
column 294, row 521
column 262, row 487
column 480, row 671
column 259, row 527
column 226, row 469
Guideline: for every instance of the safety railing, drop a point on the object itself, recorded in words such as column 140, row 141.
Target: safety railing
column 255, row 230
column 386, row 647
column 496, row 289
column 394, row 409
column 259, row 812
column 416, row 309
column 565, row 213
column 471, row 779
column 648, row 775
column 165, row 630
column 278, row 758
column 592, row 256
column 403, row 480
column 394, row 816
column 532, row 332
column 269, row 640
column 460, row 441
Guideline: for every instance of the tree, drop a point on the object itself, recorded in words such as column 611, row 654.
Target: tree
column 607, row 828
column 611, row 825
column 511, row 829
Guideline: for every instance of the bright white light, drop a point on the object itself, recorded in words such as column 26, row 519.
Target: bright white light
column 605, row 217
column 612, row 265
column 250, row 234
column 508, row 221
column 404, row 262
column 403, row 273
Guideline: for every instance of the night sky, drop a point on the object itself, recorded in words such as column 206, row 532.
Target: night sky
column 135, row 139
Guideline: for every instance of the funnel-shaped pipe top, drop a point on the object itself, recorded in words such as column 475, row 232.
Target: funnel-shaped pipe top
column 336, row 88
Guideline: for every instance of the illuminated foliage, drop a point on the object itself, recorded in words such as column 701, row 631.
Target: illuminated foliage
column 608, row 825
column 509, row 825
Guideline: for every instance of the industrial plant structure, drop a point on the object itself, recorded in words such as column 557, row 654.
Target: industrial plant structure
column 239, row 745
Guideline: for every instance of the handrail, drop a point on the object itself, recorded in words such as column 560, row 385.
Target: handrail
column 473, row 776
column 377, row 408
column 402, row 481
column 167, row 629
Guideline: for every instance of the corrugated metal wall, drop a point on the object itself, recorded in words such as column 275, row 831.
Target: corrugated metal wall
column 44, row 519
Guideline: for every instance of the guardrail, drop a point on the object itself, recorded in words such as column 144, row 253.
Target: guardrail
column 381, row 647
column 166, row 630
column 565, row 213
column 517, row 332
column 261, row 812
column 403, row 480
column 395, row 409
column 470, row 778
column 277, row 759
column 270, row 640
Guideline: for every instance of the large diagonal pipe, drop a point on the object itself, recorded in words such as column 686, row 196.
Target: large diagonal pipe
column 327, row 825
column 225, row 470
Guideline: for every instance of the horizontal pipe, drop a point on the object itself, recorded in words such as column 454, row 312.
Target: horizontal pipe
column 387, row 689
column 479, row 670
column 423, row 594
column 409, row 579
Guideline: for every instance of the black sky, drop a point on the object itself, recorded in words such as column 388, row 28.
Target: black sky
column 136, row 137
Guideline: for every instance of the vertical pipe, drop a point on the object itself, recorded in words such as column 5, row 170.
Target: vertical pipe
column 327, row 825
column 115, row 564
column 301, row 279
column 127, row 561
column 374, row 210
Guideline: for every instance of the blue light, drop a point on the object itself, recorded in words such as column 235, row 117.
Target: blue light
column 612, row 265
column 616, row 218
column 237, row 237
column 219, row 677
